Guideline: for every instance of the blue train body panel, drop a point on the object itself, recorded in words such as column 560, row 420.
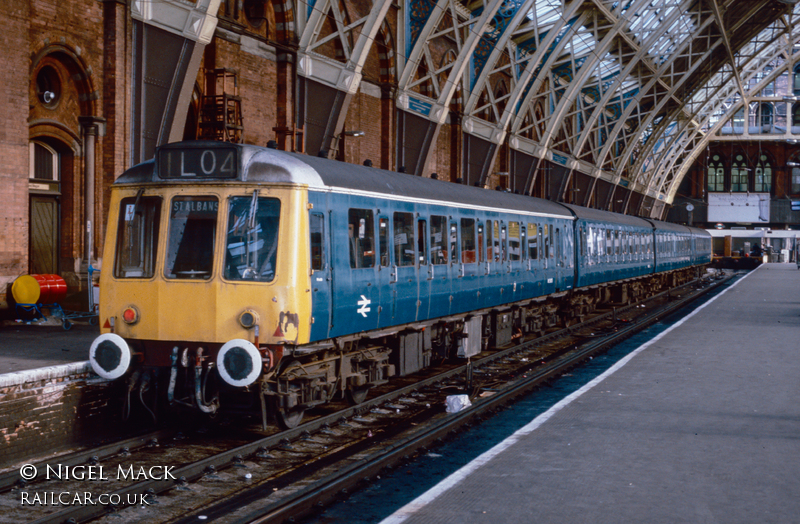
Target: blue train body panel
column 401, row 249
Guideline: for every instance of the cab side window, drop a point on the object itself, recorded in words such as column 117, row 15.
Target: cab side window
column 316, row 226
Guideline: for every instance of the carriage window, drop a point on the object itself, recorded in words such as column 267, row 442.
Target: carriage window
column 489, row 240
column 559, row 248
column 533, row 244
column 609, row 242
column 601, row 244
column 453, row 242
column 383, row 238
column 547, row 242
column 468, row 240
column 438, row 236
column 404, row 239
column 503, row 243
column 422, row 234
column 252, row 239
column 137, row 237
column 513, row 241
column 590, row 245
column 361, row 235
column 481, row 256
column 190, row 240
column 316, row 228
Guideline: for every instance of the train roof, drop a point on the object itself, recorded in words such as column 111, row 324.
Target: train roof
column 260, row 164
column 587, row 213
column 360, row 178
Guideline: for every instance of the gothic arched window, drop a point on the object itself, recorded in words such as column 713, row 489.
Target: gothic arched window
column 739, row 174
column 763, row 175
column 715, row 177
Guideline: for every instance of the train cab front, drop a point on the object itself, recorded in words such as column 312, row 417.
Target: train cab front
column 200, row 291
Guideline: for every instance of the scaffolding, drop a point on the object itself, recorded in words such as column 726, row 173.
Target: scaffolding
column 221, row 111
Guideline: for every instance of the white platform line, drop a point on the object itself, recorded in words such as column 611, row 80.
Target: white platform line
column 432, row 494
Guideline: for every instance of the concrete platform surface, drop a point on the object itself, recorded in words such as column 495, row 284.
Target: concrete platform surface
column 699, row 425
column 27, row 347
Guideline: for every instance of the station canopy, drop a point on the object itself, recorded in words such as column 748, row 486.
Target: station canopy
column 627, row 91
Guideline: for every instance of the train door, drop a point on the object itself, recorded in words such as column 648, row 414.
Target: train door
column 405, row 282
column 439, row 268
column 468, row 282
column 549, row 263
column 355, row 295
column 456, row 275
column 534, row 263
column 569, row 255
column 320, row 276
column 386, row 272
column 423, row 257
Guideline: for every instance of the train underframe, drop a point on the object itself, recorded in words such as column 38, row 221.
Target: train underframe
column 299, row 378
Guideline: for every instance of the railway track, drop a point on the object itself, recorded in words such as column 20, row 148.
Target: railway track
column 287, row 474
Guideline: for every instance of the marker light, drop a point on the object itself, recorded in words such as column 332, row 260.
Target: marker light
column 130, row 315
column 248, row 318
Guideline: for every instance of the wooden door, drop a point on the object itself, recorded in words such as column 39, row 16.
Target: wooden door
column 44, row 235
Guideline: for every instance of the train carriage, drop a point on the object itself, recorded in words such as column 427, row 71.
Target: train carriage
column 243, row 276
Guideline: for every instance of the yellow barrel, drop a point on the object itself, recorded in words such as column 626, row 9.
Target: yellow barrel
column 39, row 289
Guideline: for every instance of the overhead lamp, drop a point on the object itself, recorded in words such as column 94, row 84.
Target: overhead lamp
column 790, row 98
column 353, row 133
column 793, row 164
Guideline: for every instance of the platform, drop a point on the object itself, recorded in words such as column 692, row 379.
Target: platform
column 700, row 424
column 45, row 351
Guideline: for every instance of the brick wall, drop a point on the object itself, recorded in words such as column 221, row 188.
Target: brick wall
column 42, row 417
column 13, row 143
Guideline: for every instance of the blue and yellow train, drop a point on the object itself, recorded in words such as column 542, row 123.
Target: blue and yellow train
column 243, row 276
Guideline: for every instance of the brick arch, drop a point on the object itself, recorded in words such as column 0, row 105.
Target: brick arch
column 74, row 72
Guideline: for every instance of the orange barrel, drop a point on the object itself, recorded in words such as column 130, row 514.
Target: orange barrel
column 39, row 289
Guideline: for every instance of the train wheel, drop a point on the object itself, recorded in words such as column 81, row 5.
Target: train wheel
column 289, row 419
column 356, row 395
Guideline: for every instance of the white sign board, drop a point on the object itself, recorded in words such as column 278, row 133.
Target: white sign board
column 752, row 208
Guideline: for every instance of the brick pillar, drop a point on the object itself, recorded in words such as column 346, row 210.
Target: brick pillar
column 456, row 146
column 388, row 113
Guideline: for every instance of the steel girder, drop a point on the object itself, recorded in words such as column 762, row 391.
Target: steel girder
column 639, row 116
column 706, row 131
column 661, row 142
column 343, row 73
column 678, row 141
column 168, row 41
